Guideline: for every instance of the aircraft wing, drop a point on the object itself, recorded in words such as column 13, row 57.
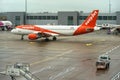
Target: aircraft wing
column 115, row 28
column 46, row 33
column 50, row 34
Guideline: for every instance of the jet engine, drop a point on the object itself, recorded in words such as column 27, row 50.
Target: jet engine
column 32, row 36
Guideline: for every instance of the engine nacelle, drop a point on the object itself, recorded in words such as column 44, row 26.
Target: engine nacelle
column 32, row 36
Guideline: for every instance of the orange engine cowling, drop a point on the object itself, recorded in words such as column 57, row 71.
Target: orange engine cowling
column 33, row 36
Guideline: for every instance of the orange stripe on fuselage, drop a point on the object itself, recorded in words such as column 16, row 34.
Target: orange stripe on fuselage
column 36, row 28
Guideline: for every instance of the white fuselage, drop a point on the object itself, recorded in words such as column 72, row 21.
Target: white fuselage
column 62, row 30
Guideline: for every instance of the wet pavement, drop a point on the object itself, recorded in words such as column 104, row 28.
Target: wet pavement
column 68, row 58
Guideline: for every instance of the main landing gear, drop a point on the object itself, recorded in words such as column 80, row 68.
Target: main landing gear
column 22, row 37
column 46, row 39
column 54, row 38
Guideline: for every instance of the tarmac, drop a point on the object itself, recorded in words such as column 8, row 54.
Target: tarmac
column 67, row 58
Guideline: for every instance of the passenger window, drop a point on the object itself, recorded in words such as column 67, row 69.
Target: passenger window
column 72, row 28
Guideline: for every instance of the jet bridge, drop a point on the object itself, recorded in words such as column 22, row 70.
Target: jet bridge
column 19, row 69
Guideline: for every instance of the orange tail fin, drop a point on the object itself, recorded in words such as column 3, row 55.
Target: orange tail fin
column 88, row 25
column 91, row 19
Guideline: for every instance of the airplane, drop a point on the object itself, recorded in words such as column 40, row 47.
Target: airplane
column 109, row 26
column 5, row 24
column 38, row 31
column 112, row 28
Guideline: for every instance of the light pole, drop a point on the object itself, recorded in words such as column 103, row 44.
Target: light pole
column 25, row 5
column 109, row 6
column 25, row 17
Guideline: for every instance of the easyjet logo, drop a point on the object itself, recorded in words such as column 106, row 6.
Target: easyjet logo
column 31, row 28
column 91, row 18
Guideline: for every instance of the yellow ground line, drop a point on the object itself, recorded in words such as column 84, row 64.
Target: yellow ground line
column 90, row 44
column 50, row 58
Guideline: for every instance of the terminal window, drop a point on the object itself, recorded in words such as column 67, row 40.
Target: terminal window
column 107, row 18
column 100, row 17
column 82, row 17
column 114, row 18
column 70, row 20
column 17, row 17
column 104, row 17
column 42, row 17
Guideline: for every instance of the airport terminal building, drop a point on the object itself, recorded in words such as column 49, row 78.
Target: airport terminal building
column 59, row 18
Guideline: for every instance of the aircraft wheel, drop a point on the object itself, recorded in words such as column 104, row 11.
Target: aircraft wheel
column 47, row 39
column 54, row 38
column 22, row 37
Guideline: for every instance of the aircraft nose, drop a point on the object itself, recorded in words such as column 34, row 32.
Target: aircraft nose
column 13, row 31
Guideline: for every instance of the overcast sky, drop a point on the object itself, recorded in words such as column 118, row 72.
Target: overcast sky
column 59, row 5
